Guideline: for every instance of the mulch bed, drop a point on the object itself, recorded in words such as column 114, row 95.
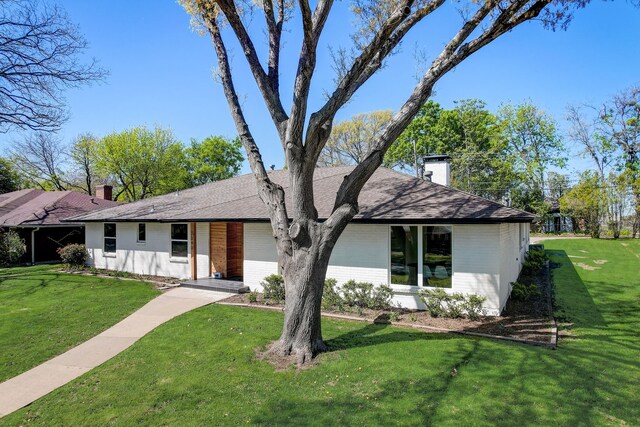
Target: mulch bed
column 530, row 322
column 161, row 283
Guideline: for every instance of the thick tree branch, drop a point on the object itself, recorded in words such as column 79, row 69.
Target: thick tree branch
column 454, row 52
column 364, row 66
column 269, row 93
column 271, row 193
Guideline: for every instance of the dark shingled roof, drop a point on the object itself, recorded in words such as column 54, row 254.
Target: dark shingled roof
column 31, row 207
column 389, row 196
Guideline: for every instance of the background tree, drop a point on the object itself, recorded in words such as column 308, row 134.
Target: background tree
column 351, row 139
column 142, row 162
column 9, row 180
column 40, row 57
column 481, row 161
column 213, row 159
column 586, row 201
column 619, row 122
column 422, row 136
column 84, row 160
column 40, row 159
column 558, row 184
column 535, row 145
column 304, row 242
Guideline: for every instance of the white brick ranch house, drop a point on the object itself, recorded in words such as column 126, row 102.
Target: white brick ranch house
column 410, row 234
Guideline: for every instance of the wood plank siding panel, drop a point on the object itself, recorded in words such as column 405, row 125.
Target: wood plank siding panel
column 218, row 247
column 194, row 252
column 235, row 249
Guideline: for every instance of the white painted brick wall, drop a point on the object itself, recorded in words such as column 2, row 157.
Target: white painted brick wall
column 151, row 257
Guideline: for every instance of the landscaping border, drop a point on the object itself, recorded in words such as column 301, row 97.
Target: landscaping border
column 551, row 344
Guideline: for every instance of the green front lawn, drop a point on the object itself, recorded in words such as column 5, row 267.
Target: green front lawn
column 43, row 313
column 199, row 369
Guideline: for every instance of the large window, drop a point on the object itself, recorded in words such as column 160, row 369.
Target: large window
column 404, row 255
column 432, row 267
column 109, row 237
column 436, row 250
column 179, row 240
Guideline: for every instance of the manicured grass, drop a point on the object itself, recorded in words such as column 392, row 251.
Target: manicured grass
column 199, row 369
column 44, row 313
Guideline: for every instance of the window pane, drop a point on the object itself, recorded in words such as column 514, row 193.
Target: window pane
column 179, row 231
column 109, row 229
column 436, row 245
column 109, row 244
column 178, row 249
column 142, row 232
column 404, row 255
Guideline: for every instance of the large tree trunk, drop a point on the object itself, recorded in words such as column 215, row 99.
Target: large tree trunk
column 304, row 272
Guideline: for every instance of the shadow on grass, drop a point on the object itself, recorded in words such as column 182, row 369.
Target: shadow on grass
column 370, row 335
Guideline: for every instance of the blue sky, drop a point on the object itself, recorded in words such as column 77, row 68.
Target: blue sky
column 161, row 71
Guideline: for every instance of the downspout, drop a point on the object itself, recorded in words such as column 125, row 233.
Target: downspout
column 33, row 245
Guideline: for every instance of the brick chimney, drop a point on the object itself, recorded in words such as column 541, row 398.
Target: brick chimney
column 104, row 192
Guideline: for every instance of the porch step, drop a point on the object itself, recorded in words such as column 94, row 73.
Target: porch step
column 220, row 285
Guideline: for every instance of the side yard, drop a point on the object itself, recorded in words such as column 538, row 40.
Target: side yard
column 44, row 313
column 201, row 369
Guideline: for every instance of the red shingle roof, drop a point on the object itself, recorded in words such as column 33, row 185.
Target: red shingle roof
column 33, row 207
column 389, row 196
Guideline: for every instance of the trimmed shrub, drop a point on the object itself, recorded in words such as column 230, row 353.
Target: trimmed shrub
column 273, row 288
column 435, row 300
column 363, row 295
column 253, row 296
column 75, row 255
column 441, row 304
column 524, row 291
column 331, row 298
column 473, row 306
column 536, row 258
column 12, row 248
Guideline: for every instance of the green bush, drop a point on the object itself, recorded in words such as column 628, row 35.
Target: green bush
column 524, row 291
column 455, row 307
column 535, row 260
column 12, row 248
column 75, row 255
column 441, row 304
column 435, row 300
column 363, row 295
column 473, row 306
column 253, row 296
column 331, row 298
column 273, row 288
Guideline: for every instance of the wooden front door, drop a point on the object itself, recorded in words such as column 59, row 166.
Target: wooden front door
column 226, row 248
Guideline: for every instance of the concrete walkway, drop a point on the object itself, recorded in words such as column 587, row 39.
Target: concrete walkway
column 29, row 386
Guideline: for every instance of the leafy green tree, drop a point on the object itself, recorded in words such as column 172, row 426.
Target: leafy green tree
column 213, row 159
column 421, row 137
column 481, row 162
column 83, row 155
column 351, row 139
column 143, row 162
column 9, row 180
column 557, row 184
column 587, row 202
column 535, row 145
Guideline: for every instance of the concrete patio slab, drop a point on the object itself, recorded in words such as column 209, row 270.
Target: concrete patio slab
column 29, row 386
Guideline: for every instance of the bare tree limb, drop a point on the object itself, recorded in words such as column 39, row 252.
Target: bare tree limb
column 271, row 193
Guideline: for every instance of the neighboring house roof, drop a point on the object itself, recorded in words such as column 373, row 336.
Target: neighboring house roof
column 31, row 207
column 389, row 196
